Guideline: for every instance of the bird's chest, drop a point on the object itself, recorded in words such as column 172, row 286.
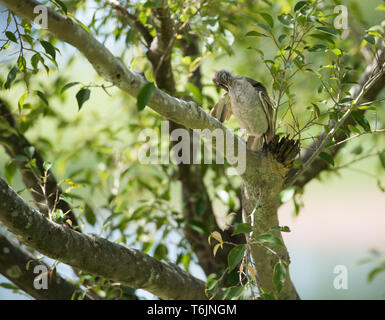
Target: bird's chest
column 247, row 109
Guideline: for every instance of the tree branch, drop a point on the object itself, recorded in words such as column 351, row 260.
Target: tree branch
column 133, row 20
column 94, row 254
column 112, row 69
column 354, row 104
column 13, row 262
column 319, row 165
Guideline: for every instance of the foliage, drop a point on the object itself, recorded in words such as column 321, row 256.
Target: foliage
column 301, row 56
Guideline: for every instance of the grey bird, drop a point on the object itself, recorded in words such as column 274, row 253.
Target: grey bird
column 249, row 102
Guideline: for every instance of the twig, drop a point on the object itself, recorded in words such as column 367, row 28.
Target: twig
column 365, row 88
column 356, row 136
column 115, row 4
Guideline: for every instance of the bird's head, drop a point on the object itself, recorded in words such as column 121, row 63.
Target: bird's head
column 223, row 79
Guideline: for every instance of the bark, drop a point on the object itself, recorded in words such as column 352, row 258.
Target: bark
column 260, row 202
column 13, row 263
column 93, row 254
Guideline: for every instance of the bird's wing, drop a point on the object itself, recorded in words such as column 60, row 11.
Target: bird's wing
column 222, row 109
column 266, row 103
column 268, row 108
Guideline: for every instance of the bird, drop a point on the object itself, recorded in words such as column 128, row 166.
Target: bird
column 249, row 102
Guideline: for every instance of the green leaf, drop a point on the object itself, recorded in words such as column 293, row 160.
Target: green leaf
column 9, row 171
column 11, row 77
column 353, row 129
column 42, row 96
column 186, row 258
column 375, row 33
column 90, row 215
column 285, row 19
column 22, row 99
column 82, row 96
column 375, row 272
column 255, row 34
column 345, row 101
column 381, row 155
column 328, row 30
column 10, row 286
column 35, row 60
column 61, row 5
column 327, row 157
column 47, row 165
column 49, row 48
column 233, row 292
column 323, row 36
column 281, row 229
column 279, row 275
column 269, row 238
column 145, row 95
column 160, row 252
column 146, row 246
column 264, row 26
column 235, row 256
column 21, row 63
column 361, row 120
column 268, row 19
column 58, row 215
column 299, row 5
column 195, row 91
column 379, row 185
column 11, row 36
column 65, row 199
column 370, row 39
column 242, row 228
column 282, row 37
column 318, row 48
column 29, row 151
column 316, row 110
column 337, row 51
column 68, row 85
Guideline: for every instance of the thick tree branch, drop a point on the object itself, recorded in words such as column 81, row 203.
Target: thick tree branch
column 13, row 263
column 93, row 254
column 260, row 201
column 15, row 143
column 160, row 50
